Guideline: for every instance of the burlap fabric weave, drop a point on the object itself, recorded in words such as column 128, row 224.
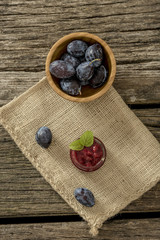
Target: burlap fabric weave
column 133, row 155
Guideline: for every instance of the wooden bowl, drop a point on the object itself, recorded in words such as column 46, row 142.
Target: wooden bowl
column 87, row 93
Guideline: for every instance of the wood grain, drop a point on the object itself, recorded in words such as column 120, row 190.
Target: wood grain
column 145, row 88
column 25, row 193
column 28, row 29
column 131, row 28
column 139, row 229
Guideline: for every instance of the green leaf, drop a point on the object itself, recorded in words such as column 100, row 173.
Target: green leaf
column 76, row 145
column 87, row 139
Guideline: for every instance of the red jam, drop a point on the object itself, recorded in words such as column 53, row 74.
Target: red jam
column 89, row 158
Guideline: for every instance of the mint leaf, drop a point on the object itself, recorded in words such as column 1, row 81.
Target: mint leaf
column 76, row 145
column 87, row 139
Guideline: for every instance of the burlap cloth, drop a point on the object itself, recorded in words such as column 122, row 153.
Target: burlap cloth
column 133, row 154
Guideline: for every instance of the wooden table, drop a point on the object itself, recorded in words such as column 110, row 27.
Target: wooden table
column 29, row 207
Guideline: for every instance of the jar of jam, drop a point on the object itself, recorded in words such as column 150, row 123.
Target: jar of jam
column 89, row 158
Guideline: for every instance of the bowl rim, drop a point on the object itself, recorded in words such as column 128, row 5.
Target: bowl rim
column 74, row 36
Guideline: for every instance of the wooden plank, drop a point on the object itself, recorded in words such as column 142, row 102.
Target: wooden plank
column 28, row 30
column 131, row 28
column 137, row 229
column 12, row 84
column 25, row 193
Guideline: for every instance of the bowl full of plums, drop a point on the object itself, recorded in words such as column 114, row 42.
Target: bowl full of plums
column 80, row 67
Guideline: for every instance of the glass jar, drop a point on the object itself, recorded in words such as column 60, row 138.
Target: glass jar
column 89, row 158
